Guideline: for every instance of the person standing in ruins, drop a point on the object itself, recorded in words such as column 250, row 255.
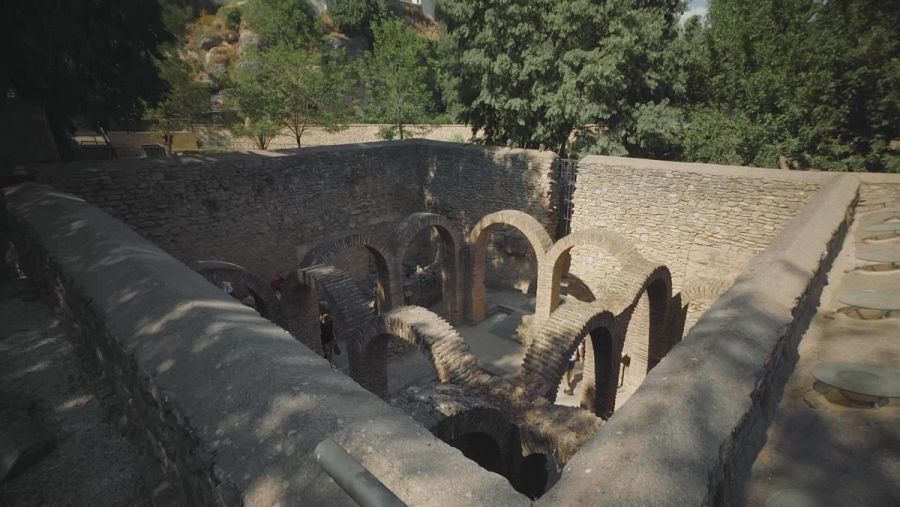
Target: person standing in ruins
column 326, row 328
column 577, row 355
column 277, row 284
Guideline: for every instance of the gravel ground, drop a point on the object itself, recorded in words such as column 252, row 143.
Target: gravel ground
column 51, row 383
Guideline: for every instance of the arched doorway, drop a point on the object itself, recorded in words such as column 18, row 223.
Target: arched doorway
column 450, row 256
column 525, row 226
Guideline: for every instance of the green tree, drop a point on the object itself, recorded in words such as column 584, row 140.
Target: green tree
column 532, row 73
column 249, row 95
column 284, row 87
column 396, row 76
column 82, row 58
column 821, row 80
column 183, row 104
column 356, row 17
column 282, row 21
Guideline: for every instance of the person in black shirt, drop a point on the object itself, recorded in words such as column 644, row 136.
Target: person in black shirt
column 326, row 327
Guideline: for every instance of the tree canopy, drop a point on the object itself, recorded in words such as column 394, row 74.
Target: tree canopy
column 396, row 76
column 532, row 73
column 811, row 83
column 89, row 58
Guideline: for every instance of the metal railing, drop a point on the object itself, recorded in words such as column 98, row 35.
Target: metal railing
column 353, row 478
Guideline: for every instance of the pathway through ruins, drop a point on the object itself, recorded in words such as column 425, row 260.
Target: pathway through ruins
column 825, row 447
column 57, row 417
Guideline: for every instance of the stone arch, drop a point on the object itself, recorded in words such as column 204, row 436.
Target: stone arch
column 445, row 349
column 388, row 292
column 533, row 231
column 548, row 355
column 451, row 263
column 300, row 300
column 263, row 295
column 627, row 288
column 551, row 267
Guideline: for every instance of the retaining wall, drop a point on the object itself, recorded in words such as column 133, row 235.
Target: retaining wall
column 231, row 405
column 705, row 222
column 690, row 433
column 264, row 210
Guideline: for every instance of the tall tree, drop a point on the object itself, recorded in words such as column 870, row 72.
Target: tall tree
column 533, row 73
column 89, row 58
column 396, row 77
column 184, row 102
column 286, row 87
column 282, row 21
column 356, row 17
column 817, row 82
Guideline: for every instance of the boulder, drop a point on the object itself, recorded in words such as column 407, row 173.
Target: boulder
column 210, row 42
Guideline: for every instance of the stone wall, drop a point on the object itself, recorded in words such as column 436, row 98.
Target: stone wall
column 690, row 433
column 231, row 405
column 265, row 210
column 705, row 222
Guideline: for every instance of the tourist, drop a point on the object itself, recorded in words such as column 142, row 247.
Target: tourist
column 228, row 288
column 326, row 328
column 277, row 284
column 577, row 355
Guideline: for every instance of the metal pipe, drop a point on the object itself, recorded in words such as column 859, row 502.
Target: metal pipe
column 353, row 478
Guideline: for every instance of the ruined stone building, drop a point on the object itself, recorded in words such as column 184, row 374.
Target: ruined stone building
column 461, row 280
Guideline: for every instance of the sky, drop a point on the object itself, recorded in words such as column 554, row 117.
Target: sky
column 698, row 7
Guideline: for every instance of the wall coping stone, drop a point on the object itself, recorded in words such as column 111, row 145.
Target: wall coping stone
column 255, row 158
column 686, row 436
column 255, row 401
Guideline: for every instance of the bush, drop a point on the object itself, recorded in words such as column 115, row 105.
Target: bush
column 457, row 138
column 354, row 17
column 387, row 132
column 232, row 15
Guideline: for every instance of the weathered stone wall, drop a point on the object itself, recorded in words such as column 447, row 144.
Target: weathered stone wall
column 264, row 211
column 481, row 181
column 690, row 433
column 231, row 405
column 704, row 222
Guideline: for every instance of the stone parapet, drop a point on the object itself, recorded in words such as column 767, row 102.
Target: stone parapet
column 690, row 433
column 231, row 405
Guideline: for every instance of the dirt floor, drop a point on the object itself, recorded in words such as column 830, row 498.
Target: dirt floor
column 58, row 420
column 823, row 449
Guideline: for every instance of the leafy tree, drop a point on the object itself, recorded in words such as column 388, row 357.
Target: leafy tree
column 282, row 21
column 185, row 100
column 821, row 78
column 396, row 77
column 284, row 87
column 82, row 58
column 532, row 73
column 248, row 90
column 356, row 17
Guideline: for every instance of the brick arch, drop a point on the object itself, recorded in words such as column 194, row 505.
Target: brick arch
column 451, row 251
column 551, row 266
column 435, row 337
column 533, row 231
column 388, row 293
column 300, row 299
column 548, row 355
column 218, row 271
column 654, row 281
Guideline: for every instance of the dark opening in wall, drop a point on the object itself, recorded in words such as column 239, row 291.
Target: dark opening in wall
column 481, row 449
column 486, row 437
